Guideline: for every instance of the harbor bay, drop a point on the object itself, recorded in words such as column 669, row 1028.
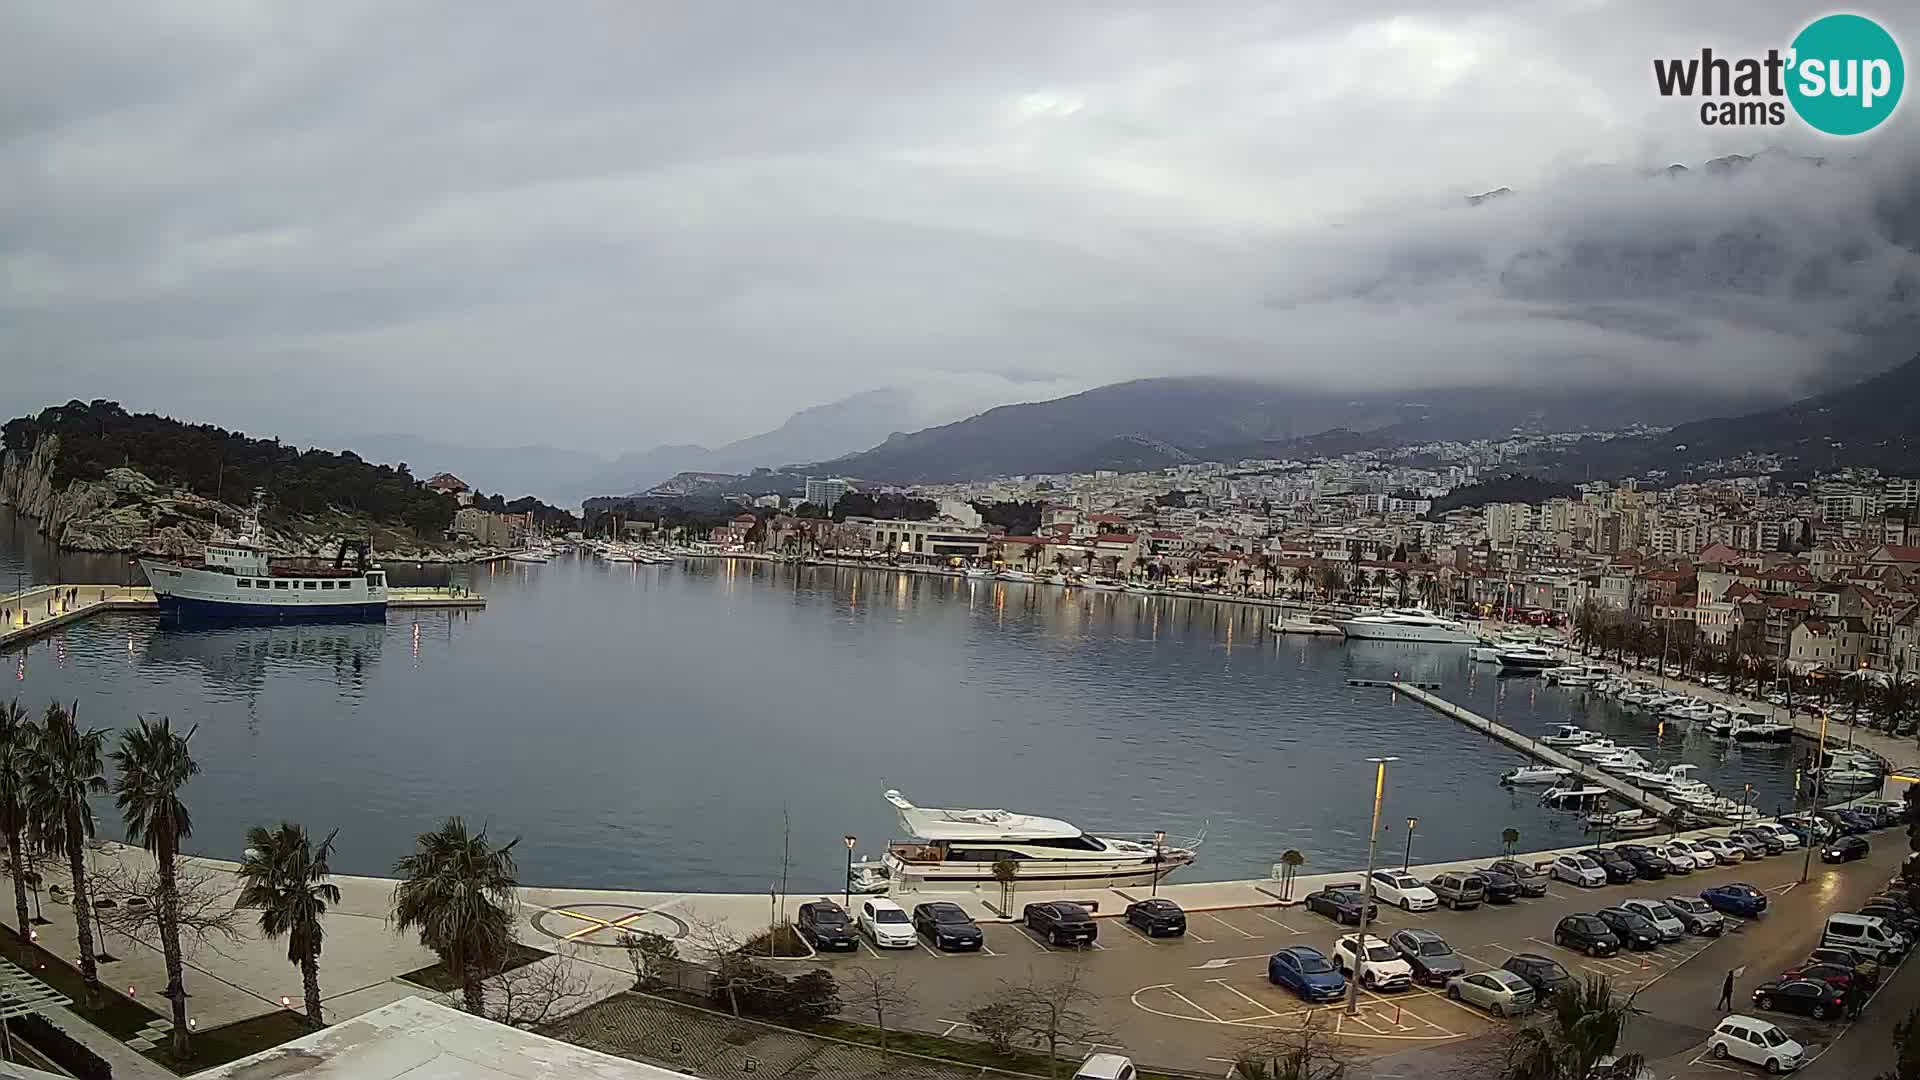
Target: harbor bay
column 667, row 727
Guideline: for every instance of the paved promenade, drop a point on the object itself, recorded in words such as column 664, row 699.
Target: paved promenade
column 27, row 615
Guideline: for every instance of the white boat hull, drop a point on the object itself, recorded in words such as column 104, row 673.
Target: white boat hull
column 1425, row 635
column 188, row 590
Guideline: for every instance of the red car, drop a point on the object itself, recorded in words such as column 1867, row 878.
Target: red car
column 1840, row 978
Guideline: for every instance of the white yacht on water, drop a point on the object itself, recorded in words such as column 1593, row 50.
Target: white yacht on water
column 956, row 849
column 1407, row 624
column 237, row 580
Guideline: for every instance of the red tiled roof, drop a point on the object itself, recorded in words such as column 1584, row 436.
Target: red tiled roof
column 1025, row 540
column 1165, row 534
column 1108, row 519
column 1115, row 538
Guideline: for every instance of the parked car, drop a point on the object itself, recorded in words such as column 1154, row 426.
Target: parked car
column 1660, row 915
column 1749, row 845
column 1864, row 968
column 1380, row 968
column 1634, row 930
column 1433, row 960
column 1898, row 916
column 1681, row 859
column 1501, row 888
column 1404, row 891
column 1543, row 973
column 1578, row 870
column 1841, row 977
column 1157, row 917
column 1779, row 832
column 1618, row 869
column 1804, row 997
column 1460, row 890
column 1766, row 841
column 1756, row 1042
column 1106, row 1067
column 1698, row 916
column 1728, row 852
column 1307, row 972
column 825, row 925
column 1532, row 882
column 1499, row 991
column 1342, row 902
column 1845, row 849
column 1857, row 820
column 1650, row 865
column 1587, row 934
column 1736, row 898
column 1802, row 825
column 885, row 923
column 1841, row 825
column 1061, row 923
column 948, row 926
column 1703, row 857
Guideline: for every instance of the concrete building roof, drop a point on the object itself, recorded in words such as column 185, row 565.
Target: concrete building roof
column 420, row 1040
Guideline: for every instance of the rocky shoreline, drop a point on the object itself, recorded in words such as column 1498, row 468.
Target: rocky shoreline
column 126, row 512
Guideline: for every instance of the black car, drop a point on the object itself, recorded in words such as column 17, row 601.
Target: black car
column 1061, row 923
column 1156, row 917
column 948, row 926
column 1859, row 820
column 1650, row 864
column 1433, row 960
column 1619, row 870
column 1341, row 903
column 1543, row 973
column 1587, row 934
column 1501, row 888
column 1532, row 882
column 1847, row 825
column 1633, row 929
column 825, row 924
column 1766, row 841
column 1806, row 997
column 1845, row 849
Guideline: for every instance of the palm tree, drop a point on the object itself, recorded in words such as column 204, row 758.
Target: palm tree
column 286, row 878
column 154, row 765
column 16, row 744
column 1400, row 580
column 63, row 772
column 1583, row 1025
column 457, row 890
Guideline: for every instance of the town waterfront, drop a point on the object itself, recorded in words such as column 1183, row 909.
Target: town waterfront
column 647, row 726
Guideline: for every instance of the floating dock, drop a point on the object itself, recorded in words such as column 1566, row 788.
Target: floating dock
column 45, row 608
column 1619, row 788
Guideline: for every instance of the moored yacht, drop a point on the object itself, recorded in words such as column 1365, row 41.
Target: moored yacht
column 1570, row 735
column 957, row 849
column 1527, row 658
column 1407, row 624
column 237, row 579
column 1535, row 774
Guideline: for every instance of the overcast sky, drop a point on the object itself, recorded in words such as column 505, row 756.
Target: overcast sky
column 609, row 225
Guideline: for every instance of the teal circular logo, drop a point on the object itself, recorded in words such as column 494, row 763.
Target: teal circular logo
column 1846, row 74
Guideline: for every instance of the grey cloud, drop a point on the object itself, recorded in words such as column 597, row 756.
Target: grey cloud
column 611, row 225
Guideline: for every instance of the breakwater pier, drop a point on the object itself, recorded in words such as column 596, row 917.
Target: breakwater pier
column 28, row 613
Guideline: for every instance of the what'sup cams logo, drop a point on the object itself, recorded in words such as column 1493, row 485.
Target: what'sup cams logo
column 1842, row 75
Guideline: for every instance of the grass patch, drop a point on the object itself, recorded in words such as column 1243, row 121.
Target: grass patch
column 118, row 1015
column 437, row 977
column 217, row 1046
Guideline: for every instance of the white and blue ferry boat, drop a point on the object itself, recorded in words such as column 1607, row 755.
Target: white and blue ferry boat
column 238, row 580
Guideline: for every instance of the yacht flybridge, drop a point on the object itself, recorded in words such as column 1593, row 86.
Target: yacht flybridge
column 957, row 849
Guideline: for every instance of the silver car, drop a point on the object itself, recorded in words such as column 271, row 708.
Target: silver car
column 1501, row 993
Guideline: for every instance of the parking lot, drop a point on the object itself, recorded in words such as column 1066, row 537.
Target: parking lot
column 1191, row 1001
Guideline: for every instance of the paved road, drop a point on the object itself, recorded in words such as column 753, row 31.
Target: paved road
column 1191, row 1002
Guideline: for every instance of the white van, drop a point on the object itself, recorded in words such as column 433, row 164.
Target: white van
column 1864, row 933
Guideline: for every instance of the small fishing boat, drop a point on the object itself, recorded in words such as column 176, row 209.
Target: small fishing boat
column 1569, row 735
column 1534, row 774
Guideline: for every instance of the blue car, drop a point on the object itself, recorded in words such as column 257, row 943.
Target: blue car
column 1738, row 898
column 1307, row 972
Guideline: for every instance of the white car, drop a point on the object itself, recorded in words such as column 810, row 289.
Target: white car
column 1703, row 857
column 1726, row 851
column 1779, row 832
column 1382, row 969
column 1682, row 858
column 886, row 923
column 1756, row 1042
column 1578, row 870
column 1404, row 890
column 1660, row 915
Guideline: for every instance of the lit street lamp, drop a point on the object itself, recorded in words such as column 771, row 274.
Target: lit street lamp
column 1406, row 860
column 1366, row 889
column 1159, row 853
column 851, row 840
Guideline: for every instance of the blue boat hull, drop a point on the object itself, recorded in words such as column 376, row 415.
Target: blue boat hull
column 211, row 609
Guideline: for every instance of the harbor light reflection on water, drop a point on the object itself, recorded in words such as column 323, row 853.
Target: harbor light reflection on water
column 647, row 726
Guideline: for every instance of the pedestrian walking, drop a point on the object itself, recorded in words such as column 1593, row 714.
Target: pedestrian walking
column 1726, row 994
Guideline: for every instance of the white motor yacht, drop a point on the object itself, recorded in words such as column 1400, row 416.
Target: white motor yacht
column 1535, row 774
column 1621, row 761
column 979, row 571
column 1407, row 624
column 1527, row 658
column 1015, row 575
column 1595, row 749
column 957, row 849
column 1569, row 735
column 531, row 555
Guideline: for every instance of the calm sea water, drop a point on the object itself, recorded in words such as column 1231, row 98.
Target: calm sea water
column 652, row 727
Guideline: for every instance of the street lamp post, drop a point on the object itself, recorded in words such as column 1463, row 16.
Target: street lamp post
column 1806, row 870
column 1406, row 860
column 1159, row 854
column 850, row 841
column 1366, row 888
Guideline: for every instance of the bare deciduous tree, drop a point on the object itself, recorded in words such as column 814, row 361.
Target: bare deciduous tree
column 1309, row 1052
column 879, row 994
column 1053, row 1011
column 734, row 975
column 203, row 897
column 999, row 1022
column 651, row 955
column 538, row 993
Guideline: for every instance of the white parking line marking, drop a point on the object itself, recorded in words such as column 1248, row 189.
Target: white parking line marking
column 1276, row 922
column 1223, row 961
column 1138, row 934
column 1230, row 926
column 869, row 948
column 1195, row 1004
column 1229, row 988
column 931, row 951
